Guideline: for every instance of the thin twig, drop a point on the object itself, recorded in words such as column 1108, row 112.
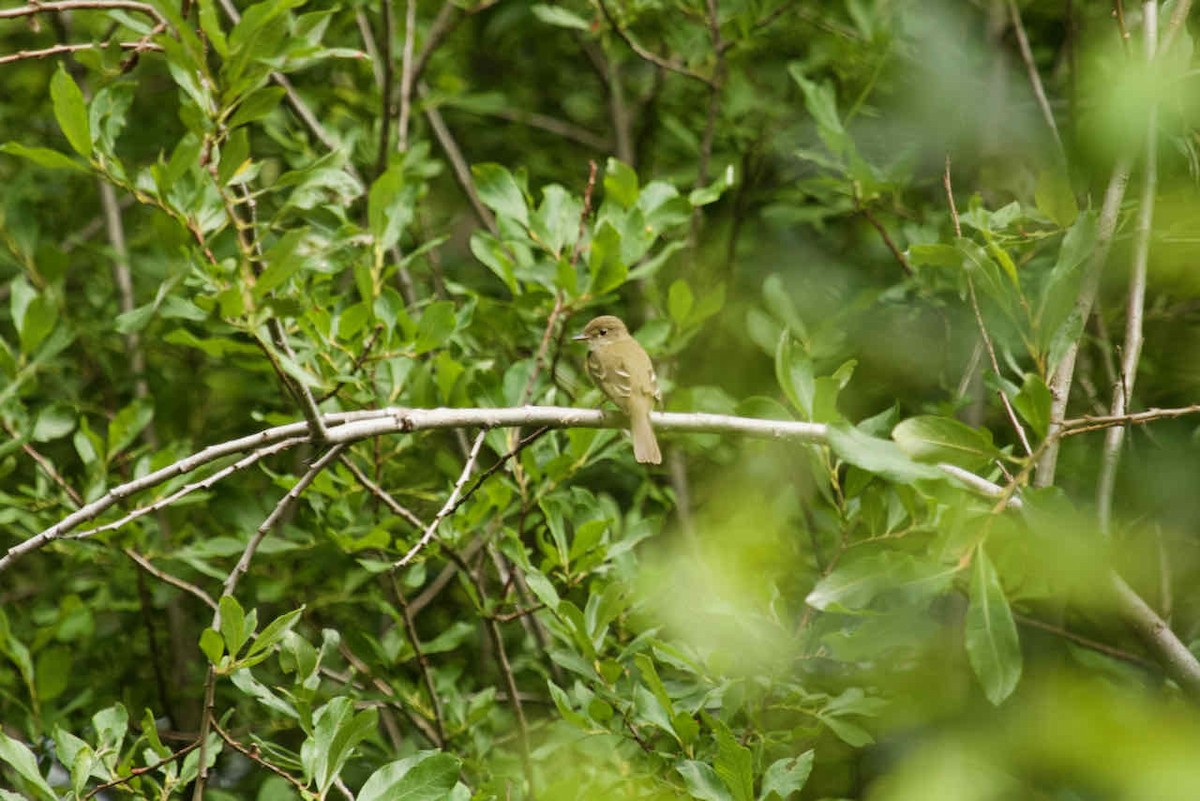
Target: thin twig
column 46, row 466
column 462, row 172
column 1035, row 79
column 1086, row 642
column 379, row 492
column 254, row 756
column 1135, row 307
column 386, row 689
column 983, row 332
column 84, row 5
column 208, row 718
column 649, row 55
column 59, row 49
column 406, row 74
column 166, row 577
column 410, row 631
column 385, row 89
column 1064, row 372
column 544, row 122
column 187, row 489
column 1081, row 425
column 133, row 774
column 897, row 253
column 447, row 508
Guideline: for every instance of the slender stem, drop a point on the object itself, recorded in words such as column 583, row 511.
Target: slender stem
column 1135, row 308
column 1064, row 371
column 447, row 508
column 1035, row 79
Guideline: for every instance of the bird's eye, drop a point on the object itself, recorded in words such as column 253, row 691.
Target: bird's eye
column 603, row 331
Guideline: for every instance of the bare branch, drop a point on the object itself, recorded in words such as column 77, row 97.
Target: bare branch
column 1035, row 80
column 649, row 55
column 447, row 507
column 1135, row 307
column 84, row 5
column 174, row 581
column 56, row 50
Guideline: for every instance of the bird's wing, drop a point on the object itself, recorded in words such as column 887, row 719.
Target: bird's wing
column 614, row 380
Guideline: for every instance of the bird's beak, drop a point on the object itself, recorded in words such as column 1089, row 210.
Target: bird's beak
column 580, row 338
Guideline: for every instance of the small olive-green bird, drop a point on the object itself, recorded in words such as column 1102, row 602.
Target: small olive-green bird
column 620, row 367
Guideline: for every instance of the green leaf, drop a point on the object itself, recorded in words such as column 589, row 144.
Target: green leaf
column 53, row 670
column 851, row 734
column 127, row 424
column 492, row 253
column 679, row 301
column 273, row 632
column 257, row 105
column 734, row 765
column 702, row 781
column 43, row 156
column 991, row 634
column 1055, row 198
column 786, row 776
column 22, row 760
column 559, row 17
column 282, row 262
column 244, row 680
column 1033, row 403
column 821, row 102
column 233, row 624
column 34, row 314
column 605, row 267
column 937, row 255
column 211, row 645
column 390, row 207
column 437, row 323
column 71, row 111
column 794, row 373
column 620, row 183
column 499, row 192
column 111, row 724
column 943, row 439
column 336, row 731
column 53, row 422
column 879, row 456
column 853, row 584
column 427, row 776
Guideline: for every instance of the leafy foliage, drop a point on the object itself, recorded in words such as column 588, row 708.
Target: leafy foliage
column 220, row 218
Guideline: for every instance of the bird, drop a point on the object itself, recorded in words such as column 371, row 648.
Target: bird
column 621, row 368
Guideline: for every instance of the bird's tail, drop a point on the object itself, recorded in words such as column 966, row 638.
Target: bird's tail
column 645, row 446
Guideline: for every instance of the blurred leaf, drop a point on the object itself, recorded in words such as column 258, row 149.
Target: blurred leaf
column 991, row 634
column 437, row 323
column 559, row 17
column 702, row 781
column 944, row 439
column 53, row 422
column 1033, row 403
column 1055, row 198
column 879, row 456
column 679, row 301
column 42, row 156
column 605, row 267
